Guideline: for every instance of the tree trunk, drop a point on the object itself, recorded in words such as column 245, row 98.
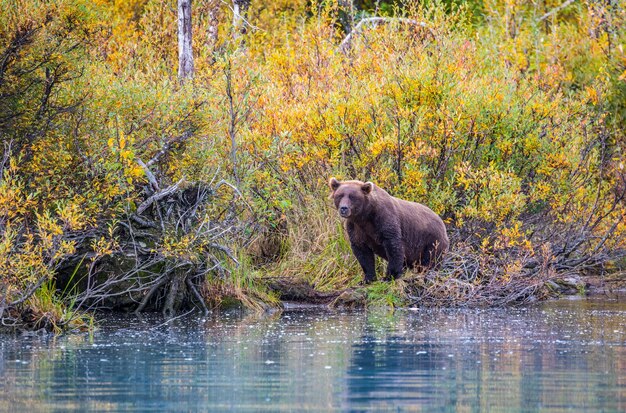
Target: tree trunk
column 240, row 14
column 185, row 53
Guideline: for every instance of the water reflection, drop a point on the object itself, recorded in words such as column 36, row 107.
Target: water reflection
column 560, row 356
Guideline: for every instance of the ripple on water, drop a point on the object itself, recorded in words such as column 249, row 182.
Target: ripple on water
column 554, row 357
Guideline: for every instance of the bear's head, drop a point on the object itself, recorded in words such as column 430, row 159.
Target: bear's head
column 351, row 198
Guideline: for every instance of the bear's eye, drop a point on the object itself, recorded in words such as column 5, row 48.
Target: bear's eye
column 351, row 197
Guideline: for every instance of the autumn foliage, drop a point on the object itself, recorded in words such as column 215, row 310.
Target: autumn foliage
column 506, row 118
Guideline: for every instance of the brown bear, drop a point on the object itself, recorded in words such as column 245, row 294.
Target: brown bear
column 406, row 234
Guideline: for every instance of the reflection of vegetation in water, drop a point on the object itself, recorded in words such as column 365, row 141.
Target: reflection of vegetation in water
column 563, row 354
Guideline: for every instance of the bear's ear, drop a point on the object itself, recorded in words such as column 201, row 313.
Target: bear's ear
column 367, row 187
column 334, row 184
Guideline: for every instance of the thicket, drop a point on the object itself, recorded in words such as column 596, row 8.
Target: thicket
column 122, row 187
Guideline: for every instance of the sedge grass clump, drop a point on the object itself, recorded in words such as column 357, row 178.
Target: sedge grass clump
column 240, row 284
column 47, row 310
column 318, row 251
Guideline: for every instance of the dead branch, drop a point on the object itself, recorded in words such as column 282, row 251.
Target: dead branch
column 346, row 43
column 167, row 147
column 5, row 158
column 153, row 182
column 157, row 279
column 158, row 196
column 228, row 184
column 191, row 287
column 154, row 289
column 555, row 10
column 300, row 291
column 143, row 222
column 226, row 251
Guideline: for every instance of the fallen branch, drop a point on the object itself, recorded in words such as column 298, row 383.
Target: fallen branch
column 226, row 251
column 295, row 290
column 158, row 196
column 166, row 148
column 142, row 222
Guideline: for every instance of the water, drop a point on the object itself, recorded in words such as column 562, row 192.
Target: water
column 560, row 356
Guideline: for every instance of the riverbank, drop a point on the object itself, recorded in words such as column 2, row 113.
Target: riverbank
column 411, row 291
column 124, row 187
column 398, row 293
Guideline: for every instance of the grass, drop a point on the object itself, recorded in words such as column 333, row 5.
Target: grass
column 48, row 310
column 387, row 294
column 318, row 251
column 240, row 285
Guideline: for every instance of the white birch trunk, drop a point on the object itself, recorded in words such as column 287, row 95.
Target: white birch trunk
column 240, row 14
column 185, row 52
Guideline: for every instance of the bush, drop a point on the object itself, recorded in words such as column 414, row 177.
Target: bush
column 119, row 180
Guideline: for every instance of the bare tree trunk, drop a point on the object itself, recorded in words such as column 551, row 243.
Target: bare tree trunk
column 240, row 15
column 185, row 52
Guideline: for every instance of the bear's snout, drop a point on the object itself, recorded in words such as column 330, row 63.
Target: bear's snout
column 344, row 211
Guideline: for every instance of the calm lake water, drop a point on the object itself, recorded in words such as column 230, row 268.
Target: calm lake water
column 560, row 356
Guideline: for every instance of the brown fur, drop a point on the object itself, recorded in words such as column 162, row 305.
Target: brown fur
column 406, row 234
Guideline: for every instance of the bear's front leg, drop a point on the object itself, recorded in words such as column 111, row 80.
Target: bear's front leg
column 395, row 257
column 365, row 257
